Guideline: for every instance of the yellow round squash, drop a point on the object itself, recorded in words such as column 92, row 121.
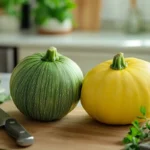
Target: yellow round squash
column 114, row 91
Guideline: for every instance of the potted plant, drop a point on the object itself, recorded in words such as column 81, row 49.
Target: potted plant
column 1, row 4
column 54, row 16
column 1, row 7
column 9, row 14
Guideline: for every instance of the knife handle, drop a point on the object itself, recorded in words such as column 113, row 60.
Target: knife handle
column 14, row 129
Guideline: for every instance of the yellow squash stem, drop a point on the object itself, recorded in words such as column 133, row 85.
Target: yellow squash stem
column 51, row 55
column 118, row 62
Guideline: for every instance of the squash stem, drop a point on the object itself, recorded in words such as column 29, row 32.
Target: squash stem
column 51, row 55
column 118, row 62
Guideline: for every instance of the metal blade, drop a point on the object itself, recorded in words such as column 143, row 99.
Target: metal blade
column 3, row 117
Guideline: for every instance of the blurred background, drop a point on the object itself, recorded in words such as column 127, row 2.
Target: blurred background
column 87, row 31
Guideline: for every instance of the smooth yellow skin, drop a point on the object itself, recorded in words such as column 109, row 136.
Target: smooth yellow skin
column 115, row 96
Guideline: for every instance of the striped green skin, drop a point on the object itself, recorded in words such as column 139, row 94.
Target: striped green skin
column 43, row 90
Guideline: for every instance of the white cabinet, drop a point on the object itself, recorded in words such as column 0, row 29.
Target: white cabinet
column 87, row 58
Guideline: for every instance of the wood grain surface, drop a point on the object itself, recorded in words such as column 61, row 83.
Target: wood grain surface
column 76, row 131
column 87, row 14
column 133, row 3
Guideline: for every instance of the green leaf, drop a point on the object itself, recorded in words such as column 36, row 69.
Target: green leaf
column 59, row 9
column 148, row 125
column 11, row 6
column 4, row 97
column 138, row 132
column 136, row 124
column 132, row 146
column 143, row 135
column 135, row 141
column 127, row 139
column 143, row 110
column 41, row 14
column 134, row 131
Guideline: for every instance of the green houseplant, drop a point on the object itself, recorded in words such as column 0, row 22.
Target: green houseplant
column 11, row 7
column 9, row 14
column 54, row 16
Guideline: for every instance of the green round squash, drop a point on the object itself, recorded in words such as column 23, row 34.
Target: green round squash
column 46, row 86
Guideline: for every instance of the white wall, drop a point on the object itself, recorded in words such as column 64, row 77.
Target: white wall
column 144, row 6
column 117, row 10
column 114, row 9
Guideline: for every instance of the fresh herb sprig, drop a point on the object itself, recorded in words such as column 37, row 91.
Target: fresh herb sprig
column 138, row 133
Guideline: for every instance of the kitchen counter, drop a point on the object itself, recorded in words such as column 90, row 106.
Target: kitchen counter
column 87, row 49
column 77, row 39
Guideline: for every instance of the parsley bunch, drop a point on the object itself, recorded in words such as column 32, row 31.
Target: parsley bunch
column 138, row 133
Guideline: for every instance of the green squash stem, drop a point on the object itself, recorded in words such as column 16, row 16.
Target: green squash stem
column 51, row 55
column 118, row 62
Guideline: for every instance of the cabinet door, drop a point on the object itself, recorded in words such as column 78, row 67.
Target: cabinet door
column 85, row 59
column 88, row 58
column 24, row 52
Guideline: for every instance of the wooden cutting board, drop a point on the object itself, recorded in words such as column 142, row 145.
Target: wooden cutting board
column 76, row 131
